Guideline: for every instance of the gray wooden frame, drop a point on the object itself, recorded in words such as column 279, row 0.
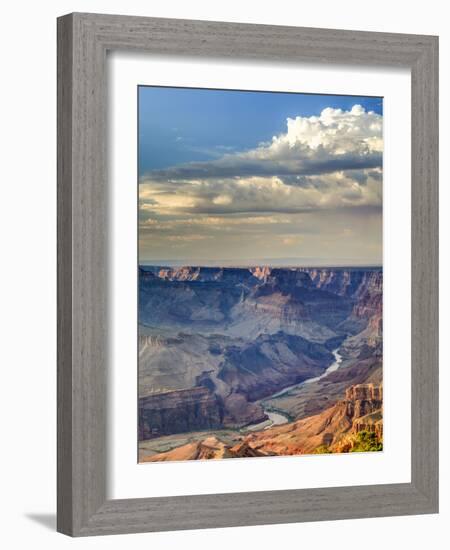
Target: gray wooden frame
column 83, row 41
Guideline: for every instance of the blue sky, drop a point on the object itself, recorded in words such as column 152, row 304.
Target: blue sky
column 259, row 178
column 178, row 125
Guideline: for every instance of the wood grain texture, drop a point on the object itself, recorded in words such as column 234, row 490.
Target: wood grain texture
column 64, row 251
column 425, row 272
column 83, row 40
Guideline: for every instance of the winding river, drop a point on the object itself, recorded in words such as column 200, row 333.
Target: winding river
column 277, row 418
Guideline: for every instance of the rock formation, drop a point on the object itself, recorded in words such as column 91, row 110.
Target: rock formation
column 359, row 410
column 334, row 430
column 206, row 449
column 215, row 341
column 178, row 411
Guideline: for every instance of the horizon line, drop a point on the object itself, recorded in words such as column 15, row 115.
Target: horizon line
column 165, row 264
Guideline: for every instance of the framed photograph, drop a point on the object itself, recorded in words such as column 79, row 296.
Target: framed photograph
column 247, row 270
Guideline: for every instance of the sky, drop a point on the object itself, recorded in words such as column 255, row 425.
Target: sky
column 249, row 178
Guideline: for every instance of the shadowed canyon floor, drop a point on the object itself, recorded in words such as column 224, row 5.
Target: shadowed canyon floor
column 239, row 362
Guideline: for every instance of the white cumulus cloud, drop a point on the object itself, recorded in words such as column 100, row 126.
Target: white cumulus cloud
column 322, row 172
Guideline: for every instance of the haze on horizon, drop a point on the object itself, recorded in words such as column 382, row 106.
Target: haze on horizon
column 252, row 178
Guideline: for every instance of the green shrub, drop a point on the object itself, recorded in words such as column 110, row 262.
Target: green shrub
column 322, row 450
column 366, row 442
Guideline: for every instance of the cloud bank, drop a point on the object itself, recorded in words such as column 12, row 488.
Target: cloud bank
column 322, row 169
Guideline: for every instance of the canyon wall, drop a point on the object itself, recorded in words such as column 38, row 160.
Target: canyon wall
column 331, row 428
column 213, row 341
column 179, row 411
column 337, row 429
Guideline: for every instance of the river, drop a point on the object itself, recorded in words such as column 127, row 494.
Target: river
column 277, row 418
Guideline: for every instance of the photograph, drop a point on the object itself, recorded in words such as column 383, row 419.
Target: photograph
column 260, row 274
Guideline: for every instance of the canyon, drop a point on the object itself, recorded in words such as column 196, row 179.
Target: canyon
column 233, row 362
column 335, row 430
